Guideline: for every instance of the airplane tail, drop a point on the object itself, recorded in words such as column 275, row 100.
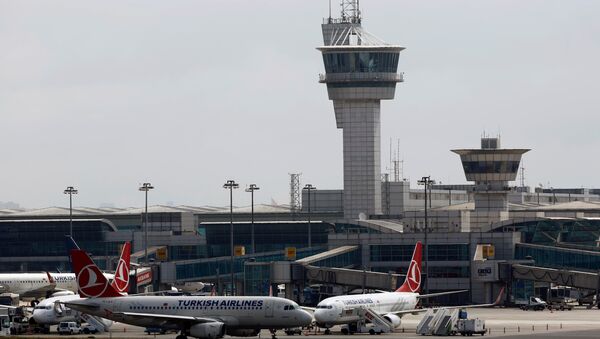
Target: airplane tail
column 121, row 281
column 412, row 283
column 90, row 280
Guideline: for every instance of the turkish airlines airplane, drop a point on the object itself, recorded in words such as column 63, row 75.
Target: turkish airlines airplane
column 205, row 317
column 52, row 311
column 37, row 285
column 391, row 305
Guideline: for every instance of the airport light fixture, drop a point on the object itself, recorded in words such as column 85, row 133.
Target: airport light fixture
column 308, row 188
column 251, row 189
column 70, row 191
column 427, row 183
column 145, row 188
column 231, row 185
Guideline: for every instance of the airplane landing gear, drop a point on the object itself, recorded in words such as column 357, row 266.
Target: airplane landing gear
column 273, row 333
column 327, row 331
column 181, row 336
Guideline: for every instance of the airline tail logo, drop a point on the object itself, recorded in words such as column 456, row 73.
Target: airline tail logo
column 87, row 280
column 121, row 281
column 90, row 280
column 412, row 283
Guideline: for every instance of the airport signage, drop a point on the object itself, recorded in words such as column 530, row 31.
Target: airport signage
column 239, row 251
column 485, row 271
column 144, row 277
column 290, row 253
column 162, row 254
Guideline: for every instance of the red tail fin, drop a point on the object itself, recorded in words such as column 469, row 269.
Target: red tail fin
column 412, row 283
column 121, row 281
column 90, row 280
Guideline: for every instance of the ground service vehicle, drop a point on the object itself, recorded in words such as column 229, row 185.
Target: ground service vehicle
column 468, row 327
column 69, row 327
column 535, row 304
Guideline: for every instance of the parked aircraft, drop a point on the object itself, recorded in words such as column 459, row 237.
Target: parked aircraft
column 43, row 284
column 205, row 317
column 52, row 311
column 391, row 305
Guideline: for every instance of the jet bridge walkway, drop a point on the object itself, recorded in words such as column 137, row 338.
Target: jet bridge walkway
column 325, row 268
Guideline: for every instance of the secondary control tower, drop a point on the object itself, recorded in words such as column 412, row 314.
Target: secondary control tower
column 491, row 168
column 360, row 71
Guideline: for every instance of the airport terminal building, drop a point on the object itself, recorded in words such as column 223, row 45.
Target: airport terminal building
column 335, row 241
column 555, row 229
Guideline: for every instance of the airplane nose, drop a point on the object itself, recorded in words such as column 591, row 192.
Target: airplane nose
column 306, row 318
column 320, row 316
column 37, row 316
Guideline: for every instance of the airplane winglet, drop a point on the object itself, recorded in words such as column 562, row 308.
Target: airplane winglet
column 499, row 298
column 50, row 278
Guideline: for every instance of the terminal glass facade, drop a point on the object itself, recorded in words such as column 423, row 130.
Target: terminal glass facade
column 208, row 267
column 555, row 257
column 443, row 252
column 271, row 236
column 45, row 239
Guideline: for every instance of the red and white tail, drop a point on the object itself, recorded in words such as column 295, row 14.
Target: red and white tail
column 412, row 283
column 91, row 282
column 121, row 279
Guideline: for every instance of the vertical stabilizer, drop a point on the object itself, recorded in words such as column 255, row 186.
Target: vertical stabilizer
column 412, row 283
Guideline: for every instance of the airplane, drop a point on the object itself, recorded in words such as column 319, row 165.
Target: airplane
column 42, row 284
column 51, row 311
column 391, row 305
column 205, row 317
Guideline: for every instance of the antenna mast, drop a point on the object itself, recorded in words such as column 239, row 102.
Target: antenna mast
column 350, row 11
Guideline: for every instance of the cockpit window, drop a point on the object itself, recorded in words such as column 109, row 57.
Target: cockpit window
column 328, row 307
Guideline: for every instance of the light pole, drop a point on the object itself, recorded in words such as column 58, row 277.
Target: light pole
column 308, row 188
column 146, row 187
column 427, row 182
column 70, row 191
column 230, row 185
column 251, row 189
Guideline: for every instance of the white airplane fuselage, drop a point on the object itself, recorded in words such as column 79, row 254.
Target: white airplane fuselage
column 234, row 312
column 36, row 284
column 50, row 312
column 342, row 309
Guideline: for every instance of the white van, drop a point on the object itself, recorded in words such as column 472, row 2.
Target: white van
column 69, row 327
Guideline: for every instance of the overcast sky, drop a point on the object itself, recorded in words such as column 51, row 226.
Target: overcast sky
column 104, row 95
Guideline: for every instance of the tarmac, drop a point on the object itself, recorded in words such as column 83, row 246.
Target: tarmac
column 579, row 323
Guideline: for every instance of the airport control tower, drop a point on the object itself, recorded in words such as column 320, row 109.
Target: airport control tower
column 360, row 71
column 491, row 168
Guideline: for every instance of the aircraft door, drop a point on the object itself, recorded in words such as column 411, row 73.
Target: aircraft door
column 269, row 308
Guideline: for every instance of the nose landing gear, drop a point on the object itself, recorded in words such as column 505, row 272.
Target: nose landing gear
column 273, row 333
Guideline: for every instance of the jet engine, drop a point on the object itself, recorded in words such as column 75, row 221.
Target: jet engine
column 211, row 330
column 243, row 332
column 61, row 293
column 393, row 319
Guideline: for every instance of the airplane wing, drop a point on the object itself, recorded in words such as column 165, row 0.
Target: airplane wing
column 149, row 318
column 431, row 295
column 161, row 319
column 421, row 310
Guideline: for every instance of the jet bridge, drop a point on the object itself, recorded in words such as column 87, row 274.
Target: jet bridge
column 577, row 279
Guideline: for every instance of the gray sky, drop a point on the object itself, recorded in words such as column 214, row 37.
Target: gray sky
column 105, row 95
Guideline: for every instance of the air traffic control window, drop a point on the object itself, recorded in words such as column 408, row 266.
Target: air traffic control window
column 490, row 166
column 361, row 62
